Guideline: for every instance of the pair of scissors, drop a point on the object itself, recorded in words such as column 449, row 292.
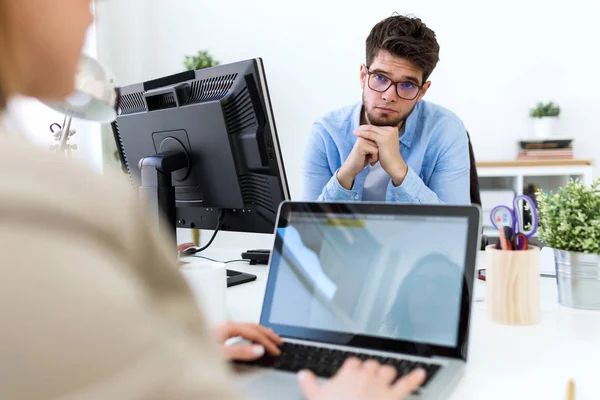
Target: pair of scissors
column 511, row 241
column 56, row 130
column 521, row 219
column 55, row 125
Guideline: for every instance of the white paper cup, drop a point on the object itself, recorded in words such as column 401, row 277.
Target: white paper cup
column 208, row 282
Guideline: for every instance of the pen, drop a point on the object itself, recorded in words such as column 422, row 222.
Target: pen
column 571, row 390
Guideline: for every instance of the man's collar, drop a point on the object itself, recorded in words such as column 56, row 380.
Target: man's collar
column 410, row 125
column 356, row 117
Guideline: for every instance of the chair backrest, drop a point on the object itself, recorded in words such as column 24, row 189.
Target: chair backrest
column 475, row 194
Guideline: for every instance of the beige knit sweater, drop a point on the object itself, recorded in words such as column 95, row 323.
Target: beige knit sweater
column 91, row 303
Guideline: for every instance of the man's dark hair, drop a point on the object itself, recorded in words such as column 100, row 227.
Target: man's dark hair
column 406, row 37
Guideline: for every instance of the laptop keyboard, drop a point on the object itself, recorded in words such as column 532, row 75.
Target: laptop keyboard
column 325, row 362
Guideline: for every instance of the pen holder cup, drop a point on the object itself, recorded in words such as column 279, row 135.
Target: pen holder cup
column 513, row 285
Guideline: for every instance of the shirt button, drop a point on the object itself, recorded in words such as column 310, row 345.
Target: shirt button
column 356, row 197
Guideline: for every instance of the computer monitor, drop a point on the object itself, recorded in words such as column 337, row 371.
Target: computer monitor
column 202, row 146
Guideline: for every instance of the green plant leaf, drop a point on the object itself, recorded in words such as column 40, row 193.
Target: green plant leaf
column 549, row 109
column 201, row 60
column 570, row 219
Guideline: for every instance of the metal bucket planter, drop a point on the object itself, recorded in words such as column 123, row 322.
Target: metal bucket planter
column 578, row 279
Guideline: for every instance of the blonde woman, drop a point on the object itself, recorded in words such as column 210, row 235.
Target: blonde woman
column 90, row 302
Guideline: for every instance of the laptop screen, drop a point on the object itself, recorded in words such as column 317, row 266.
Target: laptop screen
column 392, row 276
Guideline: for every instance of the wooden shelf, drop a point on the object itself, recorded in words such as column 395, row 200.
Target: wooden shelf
column 533, row 163
column 502, row 179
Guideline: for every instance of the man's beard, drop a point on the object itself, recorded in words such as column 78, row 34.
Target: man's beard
column 388, row 120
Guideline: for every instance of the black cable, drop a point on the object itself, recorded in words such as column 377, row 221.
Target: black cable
column 219, row 261
column 193, row 250
column 236, row 261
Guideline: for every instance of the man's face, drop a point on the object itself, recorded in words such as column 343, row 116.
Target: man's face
column 387, row 108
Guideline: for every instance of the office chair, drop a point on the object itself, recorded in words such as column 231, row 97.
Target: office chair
column 475, row 191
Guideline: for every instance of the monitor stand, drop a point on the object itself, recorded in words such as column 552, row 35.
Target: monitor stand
column 158, row 191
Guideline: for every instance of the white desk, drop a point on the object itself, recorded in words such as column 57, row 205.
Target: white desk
column 505, row 362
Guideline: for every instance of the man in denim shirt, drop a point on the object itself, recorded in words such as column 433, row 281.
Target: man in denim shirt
column 392, row 146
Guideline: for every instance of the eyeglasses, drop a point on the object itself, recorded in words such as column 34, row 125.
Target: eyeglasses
column 381, row 83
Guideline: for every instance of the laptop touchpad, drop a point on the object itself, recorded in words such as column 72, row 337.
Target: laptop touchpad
column 267, row 384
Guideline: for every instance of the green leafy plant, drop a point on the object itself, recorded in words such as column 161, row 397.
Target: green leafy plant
column 570, row 219
column 199, row 61
column 545, row 110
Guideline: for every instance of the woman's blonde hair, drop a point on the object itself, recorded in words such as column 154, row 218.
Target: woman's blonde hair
column 7, row 71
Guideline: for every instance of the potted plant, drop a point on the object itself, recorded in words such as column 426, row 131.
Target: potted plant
column 545, row 117
column 569, row 223
column 201, row 60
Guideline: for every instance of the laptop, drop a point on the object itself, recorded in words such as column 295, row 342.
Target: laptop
column 385, row 281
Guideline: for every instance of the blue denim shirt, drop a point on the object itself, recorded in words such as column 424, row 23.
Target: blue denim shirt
column 434, row 145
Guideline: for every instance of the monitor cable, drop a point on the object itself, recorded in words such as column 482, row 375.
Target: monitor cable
column 194, row 250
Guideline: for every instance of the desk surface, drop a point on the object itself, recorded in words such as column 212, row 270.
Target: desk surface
column 505, row 362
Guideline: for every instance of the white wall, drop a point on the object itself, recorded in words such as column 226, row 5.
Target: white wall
column 33, row 119
column 497, row 59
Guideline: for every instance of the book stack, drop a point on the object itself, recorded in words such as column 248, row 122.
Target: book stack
column 549, row 149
